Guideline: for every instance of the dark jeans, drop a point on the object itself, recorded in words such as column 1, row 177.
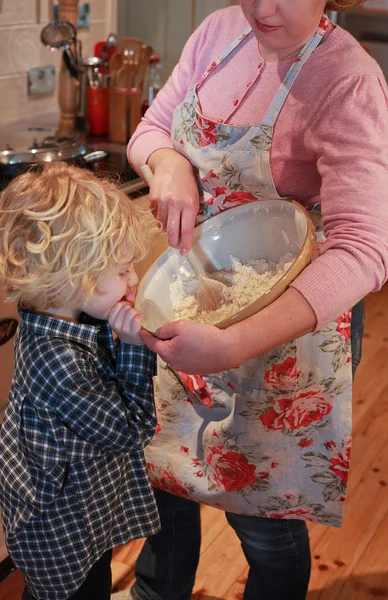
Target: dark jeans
column 357, row 331
column 277, row 551
column 96, row 586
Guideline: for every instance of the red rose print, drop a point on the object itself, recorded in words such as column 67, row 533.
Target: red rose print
column 197, row 387
column 219, row 191
column 240, row 197
column 330, row 445
column 343, row 325
column 184, row 449
column 300, row 409
column 150, row 466
column 171, row 484
column 324, row 24
column 340, row 466
column 304, row 442
column 340, row 462
column 274, row 465
column 206, row 131
column 213, row 174
column 282, row 376
column 231, row 470
column 158, row 429
column 289, row 513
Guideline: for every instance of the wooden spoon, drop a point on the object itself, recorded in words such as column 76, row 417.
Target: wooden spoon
column 211, row 294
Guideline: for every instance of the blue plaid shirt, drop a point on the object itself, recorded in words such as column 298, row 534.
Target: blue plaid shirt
column 73, row 478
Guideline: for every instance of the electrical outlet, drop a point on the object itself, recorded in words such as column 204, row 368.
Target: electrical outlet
column 41, row 80
column 83, row 15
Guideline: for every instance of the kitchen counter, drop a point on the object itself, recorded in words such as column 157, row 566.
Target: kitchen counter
column 22, row 135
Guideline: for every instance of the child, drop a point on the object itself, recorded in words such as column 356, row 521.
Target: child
column 73, row 480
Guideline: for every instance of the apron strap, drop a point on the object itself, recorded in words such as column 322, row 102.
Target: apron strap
column 228, row 50
column 285, row 87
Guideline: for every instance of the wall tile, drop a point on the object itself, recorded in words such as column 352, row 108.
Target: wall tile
column 15, row 104
column 18, row 11
column 21, row 49
column 98, row 9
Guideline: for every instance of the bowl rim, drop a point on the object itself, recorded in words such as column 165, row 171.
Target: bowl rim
column 303, row 258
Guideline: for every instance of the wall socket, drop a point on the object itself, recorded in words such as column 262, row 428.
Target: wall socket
column 83, row 15
column 41, row 81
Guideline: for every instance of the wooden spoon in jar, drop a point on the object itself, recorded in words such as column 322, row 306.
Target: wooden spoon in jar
column 211, row 294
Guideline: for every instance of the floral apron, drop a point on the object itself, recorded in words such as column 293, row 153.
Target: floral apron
column 272, row 437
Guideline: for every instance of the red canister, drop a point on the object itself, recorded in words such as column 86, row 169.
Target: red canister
column 98, row 110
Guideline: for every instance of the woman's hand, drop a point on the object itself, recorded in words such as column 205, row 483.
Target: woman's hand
column 193, row 348
column 204, row 349
column 174, row 197
column 126, row 322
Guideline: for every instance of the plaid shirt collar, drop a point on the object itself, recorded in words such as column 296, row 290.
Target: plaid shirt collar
column 85, row 332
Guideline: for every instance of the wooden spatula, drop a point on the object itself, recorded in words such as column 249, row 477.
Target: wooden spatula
column 211, row 294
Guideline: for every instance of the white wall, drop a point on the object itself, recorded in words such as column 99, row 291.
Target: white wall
column 21, row 22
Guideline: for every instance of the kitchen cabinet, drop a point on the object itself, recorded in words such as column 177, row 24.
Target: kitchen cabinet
column 165, row 24
column 371, row 30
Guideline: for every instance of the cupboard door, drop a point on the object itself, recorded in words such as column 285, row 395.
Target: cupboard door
column 165, row 24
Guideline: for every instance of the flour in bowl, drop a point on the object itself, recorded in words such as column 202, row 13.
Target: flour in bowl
column 247, row 282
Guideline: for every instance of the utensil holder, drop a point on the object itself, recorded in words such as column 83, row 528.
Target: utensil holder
column 124, row 113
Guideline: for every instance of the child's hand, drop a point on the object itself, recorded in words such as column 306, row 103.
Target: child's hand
column 126, row 322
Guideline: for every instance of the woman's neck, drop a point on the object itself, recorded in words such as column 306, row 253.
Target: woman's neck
column 271, row 55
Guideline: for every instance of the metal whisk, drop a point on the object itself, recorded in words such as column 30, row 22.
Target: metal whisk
column 60, row 35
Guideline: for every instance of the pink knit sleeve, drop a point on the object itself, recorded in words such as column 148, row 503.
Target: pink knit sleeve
column 154, row 131
column 350, row 137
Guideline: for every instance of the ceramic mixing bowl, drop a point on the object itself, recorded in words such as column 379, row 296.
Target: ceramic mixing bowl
column 264, row 229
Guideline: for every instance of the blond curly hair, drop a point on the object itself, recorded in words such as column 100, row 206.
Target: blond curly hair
column 60, row 227
column 343, row 5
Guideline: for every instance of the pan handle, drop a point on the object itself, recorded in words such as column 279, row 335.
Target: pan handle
column 92, row 157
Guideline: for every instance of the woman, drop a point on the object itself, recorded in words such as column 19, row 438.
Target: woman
column 269, row 99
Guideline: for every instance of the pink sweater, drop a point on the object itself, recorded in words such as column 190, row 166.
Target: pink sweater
column 330, row 144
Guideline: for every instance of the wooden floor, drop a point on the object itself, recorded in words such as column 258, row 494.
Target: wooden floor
column 350, row 563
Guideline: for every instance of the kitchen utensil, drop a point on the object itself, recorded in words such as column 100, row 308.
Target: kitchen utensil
column 115, row 63
column 133, row 45
column 91, row 67
column 51, row 149
column 264, row 229
column 211, row 294
column 109, row 46
column 125, row 74
column 70, row 65
column 141, row 72
column 60, row 35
